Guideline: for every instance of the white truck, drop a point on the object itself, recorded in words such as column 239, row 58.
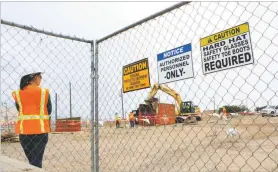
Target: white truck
column 270, row 111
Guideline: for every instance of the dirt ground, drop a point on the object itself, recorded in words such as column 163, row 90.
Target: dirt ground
column 201, row 147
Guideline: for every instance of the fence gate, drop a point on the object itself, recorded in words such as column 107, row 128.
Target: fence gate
column 66, row 62
column 216, row 54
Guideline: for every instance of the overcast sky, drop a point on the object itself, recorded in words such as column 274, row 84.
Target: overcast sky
column 91, row 20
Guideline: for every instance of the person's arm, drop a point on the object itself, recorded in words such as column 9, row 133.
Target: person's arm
column 17, row 106
column 49, row 105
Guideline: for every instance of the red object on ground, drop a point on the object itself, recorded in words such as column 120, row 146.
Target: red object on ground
column 68, row 125
column 246, row 113
column 166, row 114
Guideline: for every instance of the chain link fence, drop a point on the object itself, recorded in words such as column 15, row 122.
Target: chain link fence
column 66, row 62
column 240, row 139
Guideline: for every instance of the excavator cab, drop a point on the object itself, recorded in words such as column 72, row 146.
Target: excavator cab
column 187, row 107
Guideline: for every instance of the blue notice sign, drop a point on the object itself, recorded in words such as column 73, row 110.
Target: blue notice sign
column 175, row 64
column 174, row 52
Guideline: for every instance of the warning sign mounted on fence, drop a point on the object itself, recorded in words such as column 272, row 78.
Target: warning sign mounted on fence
column 227, row 49
column 136, row 76
column 175, row 64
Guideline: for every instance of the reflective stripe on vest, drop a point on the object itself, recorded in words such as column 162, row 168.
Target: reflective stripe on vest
column 41, row 116
column 42, row 109
column 31, row 117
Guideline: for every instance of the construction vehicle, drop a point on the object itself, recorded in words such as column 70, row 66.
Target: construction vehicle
column 145, row 113
column 185, row 111
column 188, row 111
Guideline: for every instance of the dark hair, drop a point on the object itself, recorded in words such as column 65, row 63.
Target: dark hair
column 26, row 80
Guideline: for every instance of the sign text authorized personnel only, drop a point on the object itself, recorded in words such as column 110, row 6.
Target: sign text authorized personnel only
column 227, row 49
column 175, row 64
column 136, row 76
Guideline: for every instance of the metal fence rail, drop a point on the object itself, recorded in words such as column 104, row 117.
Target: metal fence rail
column 68, row 64
column 240, row 140
column 31, row 28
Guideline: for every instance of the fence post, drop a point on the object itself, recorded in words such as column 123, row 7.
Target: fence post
column 70, row 99
column 0, row 72
column 96, row 110
column 56, row 105
column 92, row 108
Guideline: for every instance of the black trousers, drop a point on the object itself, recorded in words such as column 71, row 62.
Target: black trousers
column 132, row 124
column 34, row 146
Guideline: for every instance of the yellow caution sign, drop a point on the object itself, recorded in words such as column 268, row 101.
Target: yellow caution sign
column 234, row 31
column 136, row 76
column 227, row 49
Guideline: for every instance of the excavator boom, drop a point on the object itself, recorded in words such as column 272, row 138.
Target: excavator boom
column 167, row 90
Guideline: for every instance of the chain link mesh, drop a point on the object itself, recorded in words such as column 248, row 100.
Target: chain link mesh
column 65, row 62
column 202, row 146
column 207, row 145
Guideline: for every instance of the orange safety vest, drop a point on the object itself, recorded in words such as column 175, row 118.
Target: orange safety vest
column 33, row 116
column 131, row 117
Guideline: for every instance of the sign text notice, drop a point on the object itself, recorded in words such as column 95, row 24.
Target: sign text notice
column 175, row 64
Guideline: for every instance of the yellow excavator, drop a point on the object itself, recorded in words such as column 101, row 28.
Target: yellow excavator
column 184, row 110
